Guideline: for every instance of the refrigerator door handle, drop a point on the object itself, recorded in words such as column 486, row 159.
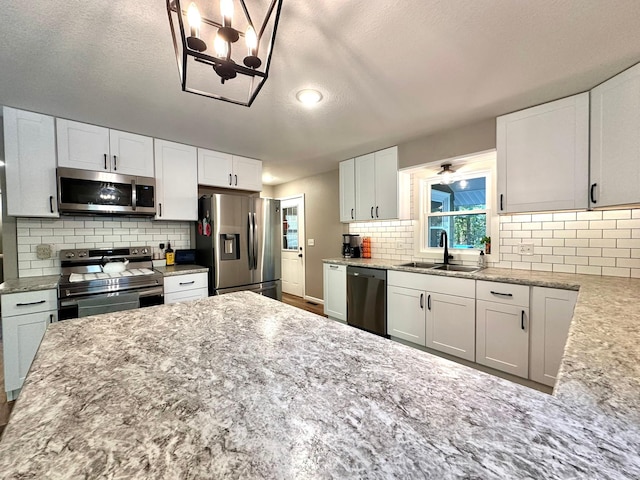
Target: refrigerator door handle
column 250, row 242
column 255, row 243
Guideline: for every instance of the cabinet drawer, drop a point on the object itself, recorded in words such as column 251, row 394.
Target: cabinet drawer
column 29, row 302
column 189, row 281
column 460, row 287
column 336, row 268
column 507, row 293
column 185, row 296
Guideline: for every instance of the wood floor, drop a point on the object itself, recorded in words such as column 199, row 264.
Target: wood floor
column 303, row 304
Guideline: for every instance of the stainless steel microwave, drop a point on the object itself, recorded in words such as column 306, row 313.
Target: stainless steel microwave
column 86, row 191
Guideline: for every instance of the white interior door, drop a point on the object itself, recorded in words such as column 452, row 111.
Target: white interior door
column 293, row 245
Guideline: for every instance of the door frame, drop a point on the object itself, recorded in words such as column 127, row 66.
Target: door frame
column 302, row 239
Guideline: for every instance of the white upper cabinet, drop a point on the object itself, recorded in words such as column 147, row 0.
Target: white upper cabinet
column 615, row 140
column 176, row 181
column 30, row 157
column 374, row 195
column 365, row 187
column 82, row 146
column 90, row 147
column 386, row 184
column 216, row 169
column 543, row 157
column 347, row 191
column 131, row 154
column 247, row 173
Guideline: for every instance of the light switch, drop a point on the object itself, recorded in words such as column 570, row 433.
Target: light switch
column 311, row 242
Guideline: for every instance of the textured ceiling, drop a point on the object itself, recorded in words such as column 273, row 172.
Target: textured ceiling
column 389, row 70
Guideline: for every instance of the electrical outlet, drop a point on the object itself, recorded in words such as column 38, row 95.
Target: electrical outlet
column 525, row 249
column 311, row 242
column 43, row 252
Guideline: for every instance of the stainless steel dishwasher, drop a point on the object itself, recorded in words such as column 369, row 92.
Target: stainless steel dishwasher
column 367, row 299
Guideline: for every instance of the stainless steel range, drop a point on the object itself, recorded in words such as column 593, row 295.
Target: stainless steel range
column 91, row 285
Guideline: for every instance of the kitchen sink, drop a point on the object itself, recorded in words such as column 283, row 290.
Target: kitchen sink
column 418, row 265
column 457, row 268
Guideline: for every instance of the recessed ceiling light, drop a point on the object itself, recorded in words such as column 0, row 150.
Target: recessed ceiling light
column 268, row 178
column 309, row 97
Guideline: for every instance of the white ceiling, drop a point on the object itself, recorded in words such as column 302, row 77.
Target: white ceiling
column 389, row 70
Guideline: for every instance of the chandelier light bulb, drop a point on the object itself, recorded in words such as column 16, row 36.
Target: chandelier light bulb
column 252, row 40
column 220, row 46
column 193, row 16
column 226, row 9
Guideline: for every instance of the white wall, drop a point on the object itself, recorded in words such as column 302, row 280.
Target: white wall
column 90, row 232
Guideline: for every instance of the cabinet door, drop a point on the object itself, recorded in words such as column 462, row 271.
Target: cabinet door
column 247, row 173
column 543, row 157
column 335, row 291
column 365, row 187
column 30, row 158
column 451, row 325
column 22, row 336
column 406, row 314
column 615, row 143
column 347, row 191
column 386, row 184
column 551, row 314
column 131, row 154
column 215, row 169
column 176, row 181
column 502, row 337
column 82, row 146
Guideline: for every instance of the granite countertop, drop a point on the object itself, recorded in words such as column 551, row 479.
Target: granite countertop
column 242, row 386
column 29, row 284
column 180, row 270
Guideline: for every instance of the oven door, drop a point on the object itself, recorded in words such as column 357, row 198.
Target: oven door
column 85, row 191
column 83, row 306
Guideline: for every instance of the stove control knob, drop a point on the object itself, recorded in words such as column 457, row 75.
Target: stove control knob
column 145, row 251
column 134, row 251
column 82, row 254
column 70, row 255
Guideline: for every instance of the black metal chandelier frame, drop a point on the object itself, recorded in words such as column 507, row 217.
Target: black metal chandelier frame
column 223, row 64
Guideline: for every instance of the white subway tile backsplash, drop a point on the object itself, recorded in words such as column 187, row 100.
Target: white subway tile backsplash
column 589, row 216
column 616, row 214
column 86, row 232
column 616, row 272
column 564, row 216
column 629, row 223
column 564, row 268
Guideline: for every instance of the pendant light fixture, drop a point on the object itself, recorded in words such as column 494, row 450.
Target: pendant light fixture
column 447, row 174
column 211, row 59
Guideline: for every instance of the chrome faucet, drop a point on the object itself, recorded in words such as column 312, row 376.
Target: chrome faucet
column 444, row 242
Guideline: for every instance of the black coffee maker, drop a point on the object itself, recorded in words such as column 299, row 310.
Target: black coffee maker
column 350, row 245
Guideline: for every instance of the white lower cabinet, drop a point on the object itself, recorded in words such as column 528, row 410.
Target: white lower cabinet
column 432, row 311
column 502, row 327
column 551, row 314
column 406, row 314
column 335, row 291
column 25, row 317
column 183, row 288
column 451, row 325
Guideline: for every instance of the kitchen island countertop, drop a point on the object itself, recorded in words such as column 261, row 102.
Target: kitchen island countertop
column 241, row 386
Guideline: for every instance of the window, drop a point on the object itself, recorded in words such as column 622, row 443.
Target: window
column 290, row 228
column 458, row 208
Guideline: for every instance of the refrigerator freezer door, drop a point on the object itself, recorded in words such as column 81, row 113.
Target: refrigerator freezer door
column 267, row 240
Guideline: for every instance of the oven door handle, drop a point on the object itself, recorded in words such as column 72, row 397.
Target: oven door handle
column 147, row 292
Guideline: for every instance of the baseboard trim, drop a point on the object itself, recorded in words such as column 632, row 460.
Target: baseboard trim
column 314, row 299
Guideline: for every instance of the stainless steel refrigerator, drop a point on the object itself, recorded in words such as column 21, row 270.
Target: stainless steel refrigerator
column 238, row 238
